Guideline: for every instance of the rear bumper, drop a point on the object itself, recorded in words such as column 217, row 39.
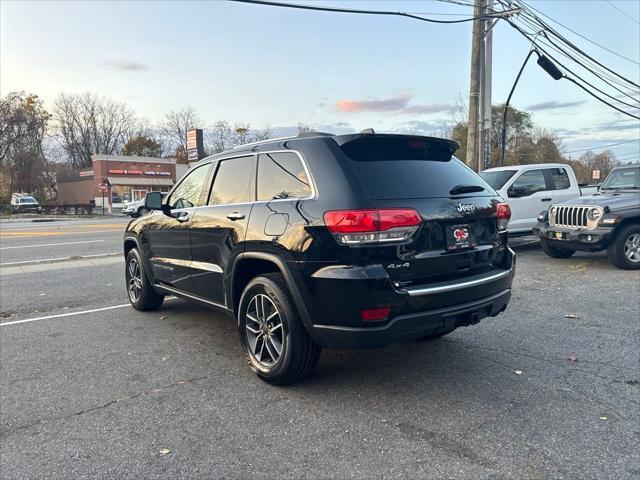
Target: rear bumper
column 576, row 239
column 411, row 325
column 336, row 297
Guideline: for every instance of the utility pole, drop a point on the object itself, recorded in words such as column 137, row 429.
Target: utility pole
column 474, row 87
column 480, row 121
column 484, row 156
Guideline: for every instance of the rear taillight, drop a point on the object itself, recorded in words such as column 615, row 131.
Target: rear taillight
column 372, row 225
column 504, row 215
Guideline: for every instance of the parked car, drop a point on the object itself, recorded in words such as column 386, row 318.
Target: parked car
column 346, row 241
column 24, row 203
column 136, row 208
column 531, row 188
column 607, row 220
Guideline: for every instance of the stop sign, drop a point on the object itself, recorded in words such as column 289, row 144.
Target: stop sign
column 103, row 187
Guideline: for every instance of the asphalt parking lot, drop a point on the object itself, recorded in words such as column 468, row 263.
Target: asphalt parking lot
column 549, row 389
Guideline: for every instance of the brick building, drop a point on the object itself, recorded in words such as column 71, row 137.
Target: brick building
column 130, row 178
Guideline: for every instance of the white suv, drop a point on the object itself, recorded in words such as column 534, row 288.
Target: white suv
column 136, row 208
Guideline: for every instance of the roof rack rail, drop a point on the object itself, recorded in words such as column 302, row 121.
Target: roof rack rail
column 268, row 140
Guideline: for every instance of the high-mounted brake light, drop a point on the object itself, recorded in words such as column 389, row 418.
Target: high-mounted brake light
column 504, row 215
column 372, row 225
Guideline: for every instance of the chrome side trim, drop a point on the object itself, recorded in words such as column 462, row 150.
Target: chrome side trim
column 181, row 293
column 171, row 261
column 209, row 267
column 456, row 286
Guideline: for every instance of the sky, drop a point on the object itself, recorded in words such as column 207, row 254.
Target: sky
column 276, row 67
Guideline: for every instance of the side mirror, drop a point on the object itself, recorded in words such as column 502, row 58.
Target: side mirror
column 153, row 201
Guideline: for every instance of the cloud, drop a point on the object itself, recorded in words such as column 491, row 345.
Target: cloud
column 399, row 104
column 125, row 65
column 394, row 104
column 553, row 105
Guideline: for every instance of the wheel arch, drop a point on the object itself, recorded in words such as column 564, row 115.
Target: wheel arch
column 129, row 244
column 248, row 265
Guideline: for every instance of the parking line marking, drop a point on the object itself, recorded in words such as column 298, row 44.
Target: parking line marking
column 71, row 314
column 60, row 315
column 60, row 259
column 51, row 244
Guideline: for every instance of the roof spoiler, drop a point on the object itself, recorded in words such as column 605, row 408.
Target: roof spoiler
column 450, row 145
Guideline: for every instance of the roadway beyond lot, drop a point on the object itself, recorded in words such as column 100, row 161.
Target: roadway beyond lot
column 117, row 393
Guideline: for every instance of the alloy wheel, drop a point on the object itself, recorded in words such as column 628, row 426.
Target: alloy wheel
column 134, row 280
column 265, row 337
column 632, row 248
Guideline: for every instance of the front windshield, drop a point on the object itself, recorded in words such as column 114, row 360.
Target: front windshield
column 497, row 178
column 28, row 200
column 622, row 179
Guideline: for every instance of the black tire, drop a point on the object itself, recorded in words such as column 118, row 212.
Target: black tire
column 437, row 335
column 617, row 252
column 143, row 297
column 298, row 353
column 555, row 252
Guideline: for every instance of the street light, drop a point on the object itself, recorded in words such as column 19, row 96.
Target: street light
column 549, row 67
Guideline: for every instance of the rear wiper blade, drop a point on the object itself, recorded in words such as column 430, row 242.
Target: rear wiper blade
column 460, row 189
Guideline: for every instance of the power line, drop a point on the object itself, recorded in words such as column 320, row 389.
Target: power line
column 623, row 12
column 603, row 146
column 359, row 11
column 521, row 4
column 576, row 82
column 608, row 81
column 584, row 62
column 579, row 150
column 581, row 36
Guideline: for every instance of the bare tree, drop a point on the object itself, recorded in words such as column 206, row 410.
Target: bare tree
column 217, row 137
column 304, row 128
column 88, row 124
column 262, row 134
column 175, row 127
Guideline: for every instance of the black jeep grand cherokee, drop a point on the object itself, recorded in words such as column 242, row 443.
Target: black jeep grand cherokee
column 347, row 241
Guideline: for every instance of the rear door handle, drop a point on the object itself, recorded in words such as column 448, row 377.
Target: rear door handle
column 546, row 199
column 236, row 216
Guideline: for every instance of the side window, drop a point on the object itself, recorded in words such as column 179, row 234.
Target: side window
column 234, row 182
column 527, row 184
column 282, row 175
column 559, row 178
column 189, row 192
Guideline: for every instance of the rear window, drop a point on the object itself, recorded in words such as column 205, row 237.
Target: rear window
column 498, row 178
column 410, row 168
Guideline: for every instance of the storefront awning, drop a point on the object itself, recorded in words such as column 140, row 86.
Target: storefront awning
column 141, row 181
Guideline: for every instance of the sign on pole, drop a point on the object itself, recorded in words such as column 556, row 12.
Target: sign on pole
column 195, row 144
column 104, row 188
column 595, row 174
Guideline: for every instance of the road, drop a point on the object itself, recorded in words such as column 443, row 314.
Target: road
column 117, row 393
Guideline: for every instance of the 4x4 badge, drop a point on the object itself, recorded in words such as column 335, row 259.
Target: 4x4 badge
column 466, row 207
